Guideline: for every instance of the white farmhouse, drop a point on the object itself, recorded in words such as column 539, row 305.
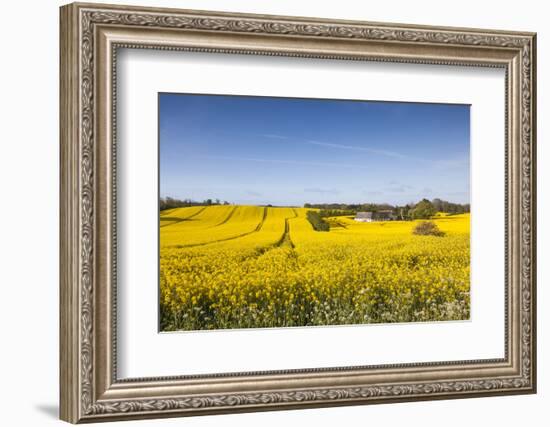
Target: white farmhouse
column 363, row 217
column 381, row 215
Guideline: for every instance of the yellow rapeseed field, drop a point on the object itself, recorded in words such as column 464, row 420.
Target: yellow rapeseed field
column 252, row 267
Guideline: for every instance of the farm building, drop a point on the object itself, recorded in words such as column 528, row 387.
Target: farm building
column 363, row 216
column 382, row 215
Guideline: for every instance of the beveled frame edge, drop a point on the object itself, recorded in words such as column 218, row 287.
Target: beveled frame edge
column 88, row 391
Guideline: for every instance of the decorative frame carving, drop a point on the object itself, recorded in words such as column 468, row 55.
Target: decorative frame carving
column 90, row 36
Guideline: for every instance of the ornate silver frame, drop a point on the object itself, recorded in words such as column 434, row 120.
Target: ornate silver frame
column 90, row 36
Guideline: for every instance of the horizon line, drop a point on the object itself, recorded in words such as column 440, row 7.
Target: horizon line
column 222, row 201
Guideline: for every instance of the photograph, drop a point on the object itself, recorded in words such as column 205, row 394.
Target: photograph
column 291, row 212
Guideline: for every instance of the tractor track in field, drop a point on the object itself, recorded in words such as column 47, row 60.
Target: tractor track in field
column 258, row 228
column 227, row 218
column 167, row 212
column 341, row 224
column 183, row 219
column 285, row 239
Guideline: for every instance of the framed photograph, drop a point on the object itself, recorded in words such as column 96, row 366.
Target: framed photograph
column 266, row 212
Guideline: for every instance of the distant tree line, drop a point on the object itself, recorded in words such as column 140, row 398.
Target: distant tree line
column 335, row 212
column 170, row 203
column 422, row 210
column 353, row 207
column 452, row 208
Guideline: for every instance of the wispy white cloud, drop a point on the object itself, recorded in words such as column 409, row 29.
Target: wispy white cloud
column 456, row 163
column 399, row 188
column 286, row 162
column 321, row 190
column 453, row 163
column 358, row 148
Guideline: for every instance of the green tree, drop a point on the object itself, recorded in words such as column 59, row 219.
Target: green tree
column 423, row 210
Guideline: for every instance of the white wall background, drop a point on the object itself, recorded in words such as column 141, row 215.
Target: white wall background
column 29, row 170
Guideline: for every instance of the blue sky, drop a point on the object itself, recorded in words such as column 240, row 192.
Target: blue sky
column 288, row 151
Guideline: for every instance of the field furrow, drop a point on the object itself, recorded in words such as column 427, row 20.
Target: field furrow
column 227, row 218
column 175, row 216
column 285, row 240
column 239, row 222
column 197, row 218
